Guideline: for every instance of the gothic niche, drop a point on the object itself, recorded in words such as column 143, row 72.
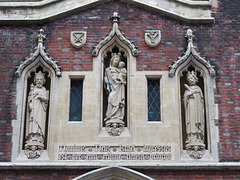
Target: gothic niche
column 115, row 92
column 194, row 74
column 115, row 76
column 36, row 75
column 193, row 112
column 36, row 114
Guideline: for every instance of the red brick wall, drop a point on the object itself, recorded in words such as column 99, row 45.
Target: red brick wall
column 155, row 174
column 40, row 174
column 192, row 174
column 218, row 42
column 226, row 51
column 15, row 44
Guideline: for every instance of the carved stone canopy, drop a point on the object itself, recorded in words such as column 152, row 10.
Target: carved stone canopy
column 189, row 56
column 40, row 51
column 115, row 32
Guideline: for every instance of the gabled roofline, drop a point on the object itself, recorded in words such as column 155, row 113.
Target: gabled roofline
column 46, row 10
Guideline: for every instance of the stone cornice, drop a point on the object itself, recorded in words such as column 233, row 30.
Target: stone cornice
column 39, row 3
column 185, row 10
column 26, row 3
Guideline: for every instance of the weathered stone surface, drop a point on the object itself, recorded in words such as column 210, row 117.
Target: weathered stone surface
column 190, row 11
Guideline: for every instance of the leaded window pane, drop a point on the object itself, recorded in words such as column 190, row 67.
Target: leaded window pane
column 76, row 100
column 154, row 100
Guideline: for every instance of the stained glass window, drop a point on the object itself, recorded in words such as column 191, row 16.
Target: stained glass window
column 154, row 113
column 76, row 100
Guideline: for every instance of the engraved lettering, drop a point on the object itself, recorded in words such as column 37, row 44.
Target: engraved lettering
column 114, row 153
column 127, row 148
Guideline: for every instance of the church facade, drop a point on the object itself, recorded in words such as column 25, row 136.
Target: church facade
column 120, row 89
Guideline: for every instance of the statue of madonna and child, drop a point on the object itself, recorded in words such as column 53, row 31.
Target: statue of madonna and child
column 115, row 79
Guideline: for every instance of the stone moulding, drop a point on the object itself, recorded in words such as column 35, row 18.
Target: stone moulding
column 163, row 166
column 40, row 51
column 185, row 10
column 115, row 32
column 190, row 51
column 115, row 173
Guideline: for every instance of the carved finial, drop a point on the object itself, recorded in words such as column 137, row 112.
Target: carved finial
column 115, row 31
column 189, row 35
column 41, row 36
column 40, row 51
column 186, row 57
column 115, row 17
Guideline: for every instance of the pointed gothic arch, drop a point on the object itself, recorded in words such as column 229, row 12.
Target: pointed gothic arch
column 115, row 32
column 38, row 64
column 118, row 173
column 191, row 56
column 205, row 76
column 34, row 58
column 115, row 42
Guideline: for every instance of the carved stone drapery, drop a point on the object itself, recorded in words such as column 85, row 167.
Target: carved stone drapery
column 194, row 117
column 115, row 79
column 37, row 104
column 35, row 111
column 194, row 111
column 186, row 57
column 115, row 32
column 40, row 51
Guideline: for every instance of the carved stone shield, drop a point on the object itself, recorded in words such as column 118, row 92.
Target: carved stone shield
column 152, row 37
column 78, row 38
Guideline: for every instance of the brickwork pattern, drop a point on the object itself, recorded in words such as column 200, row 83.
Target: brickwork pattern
column 218, row 42
column 41, row 174
column 155, row 174
column 192, row 174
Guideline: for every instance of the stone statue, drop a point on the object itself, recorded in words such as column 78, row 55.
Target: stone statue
column 194, row 117
column 115, row 78
column 37, row 104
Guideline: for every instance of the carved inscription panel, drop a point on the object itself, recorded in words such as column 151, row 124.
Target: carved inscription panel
column 114, row 153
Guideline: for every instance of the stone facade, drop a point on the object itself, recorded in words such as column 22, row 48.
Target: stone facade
column 142, row 143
